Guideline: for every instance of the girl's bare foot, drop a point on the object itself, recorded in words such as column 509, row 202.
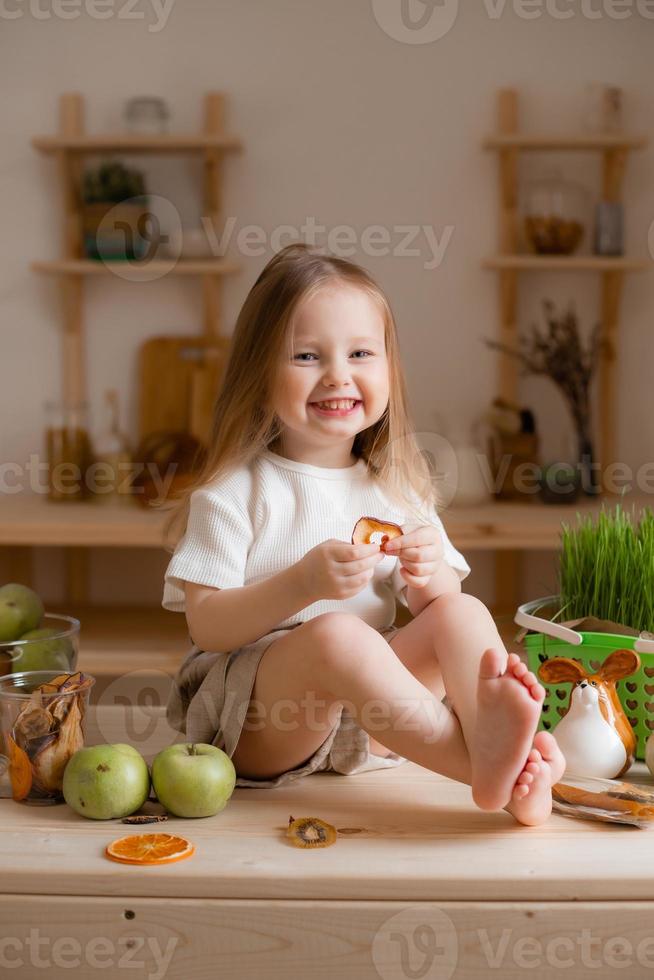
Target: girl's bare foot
column 531, row 800
column 508, row 707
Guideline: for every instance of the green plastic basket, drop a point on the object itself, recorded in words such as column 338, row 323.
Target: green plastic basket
column 550, row 639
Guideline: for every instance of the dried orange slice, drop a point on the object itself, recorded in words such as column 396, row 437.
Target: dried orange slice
column 149, row 849
column 20, row 769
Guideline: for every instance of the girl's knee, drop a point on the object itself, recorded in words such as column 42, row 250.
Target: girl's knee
column 457, row 606
column 338, row 637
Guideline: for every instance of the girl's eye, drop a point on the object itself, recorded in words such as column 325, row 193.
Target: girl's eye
column 306, row 355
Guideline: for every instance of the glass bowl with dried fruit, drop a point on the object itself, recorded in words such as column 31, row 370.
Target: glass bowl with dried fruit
column 555, row 215
column 42, row 719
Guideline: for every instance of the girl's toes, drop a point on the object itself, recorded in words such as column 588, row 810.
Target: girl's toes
column 546, row 744
column 533, row 768
column 525, row 778
column 520, row 791
column 491, row 664
column 513, row 661
column 519, row 670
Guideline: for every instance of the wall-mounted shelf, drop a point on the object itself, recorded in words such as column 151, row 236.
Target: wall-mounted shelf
column 574, row 144
column 565, row 263
column 131, row 143
column 508, row 142
column 137, row 271
column 31, row 521
column 69, row 147
column 508, row 263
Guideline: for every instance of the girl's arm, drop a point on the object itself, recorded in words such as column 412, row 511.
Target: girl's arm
column 225, row 619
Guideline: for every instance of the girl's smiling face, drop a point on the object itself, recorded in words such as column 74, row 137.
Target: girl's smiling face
column 338, row 355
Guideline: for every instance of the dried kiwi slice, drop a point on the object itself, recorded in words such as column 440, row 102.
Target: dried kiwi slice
column 310, row 832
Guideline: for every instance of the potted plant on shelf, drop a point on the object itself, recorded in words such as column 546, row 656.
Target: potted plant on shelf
column 605, row 603
column 114, row 212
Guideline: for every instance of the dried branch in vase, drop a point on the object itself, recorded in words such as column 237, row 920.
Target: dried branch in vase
column 558, row 353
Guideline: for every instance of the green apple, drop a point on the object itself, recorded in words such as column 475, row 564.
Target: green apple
column 106, row 781
column 44, row 652
column 20, row 610
column 193, row 780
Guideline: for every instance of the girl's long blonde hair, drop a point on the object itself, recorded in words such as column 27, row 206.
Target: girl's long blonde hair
column 244, row 423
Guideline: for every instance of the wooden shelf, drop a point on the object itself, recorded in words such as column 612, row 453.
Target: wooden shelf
column 566, row 263
column 35, row 521
column 547, row 143
column 508, row 263
column 136, row 271
column 501, row 525
column 116, row 640
column 133, row 143
column 68, row 146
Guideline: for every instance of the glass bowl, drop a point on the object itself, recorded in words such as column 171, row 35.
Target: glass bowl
column 53, row 646
column 554, row 216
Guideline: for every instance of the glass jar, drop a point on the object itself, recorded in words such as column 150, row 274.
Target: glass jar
column 554, row 215
column 110, row 481
column 68, row 450
column 146, row 115
column 43, row 723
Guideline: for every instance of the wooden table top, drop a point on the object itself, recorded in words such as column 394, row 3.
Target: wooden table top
column 421, row 838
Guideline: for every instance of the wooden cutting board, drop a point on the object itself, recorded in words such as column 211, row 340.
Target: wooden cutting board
column 179, row 378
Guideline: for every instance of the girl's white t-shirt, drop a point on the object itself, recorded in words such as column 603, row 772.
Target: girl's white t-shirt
column 263, row 517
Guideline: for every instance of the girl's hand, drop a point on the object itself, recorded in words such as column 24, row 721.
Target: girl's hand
column 337, row 570
column 420, row 553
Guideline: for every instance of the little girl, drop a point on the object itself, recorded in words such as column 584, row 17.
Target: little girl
column 296, row 666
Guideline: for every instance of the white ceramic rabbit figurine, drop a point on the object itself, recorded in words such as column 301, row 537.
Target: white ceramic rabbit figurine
column 594, row 734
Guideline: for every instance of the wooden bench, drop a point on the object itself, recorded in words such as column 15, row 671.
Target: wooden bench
column 419, row 883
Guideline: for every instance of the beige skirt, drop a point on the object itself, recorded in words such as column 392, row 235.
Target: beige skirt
column 209, row 700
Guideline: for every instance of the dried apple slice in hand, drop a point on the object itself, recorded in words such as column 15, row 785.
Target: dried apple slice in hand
column 370, row 530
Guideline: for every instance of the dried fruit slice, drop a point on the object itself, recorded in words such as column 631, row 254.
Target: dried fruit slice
column 20, row 770
column 149, row 849
column 54, row 752
column 310, row 832
column 145, row 818
column 369, row 530
column 31, row 722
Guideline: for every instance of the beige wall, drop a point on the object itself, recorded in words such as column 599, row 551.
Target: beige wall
column 343, row 124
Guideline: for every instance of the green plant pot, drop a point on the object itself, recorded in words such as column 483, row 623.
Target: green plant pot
column 116, row 232
column 559, row 483
column 636, row 692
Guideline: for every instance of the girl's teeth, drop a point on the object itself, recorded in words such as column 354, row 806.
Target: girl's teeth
column 336, row 405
